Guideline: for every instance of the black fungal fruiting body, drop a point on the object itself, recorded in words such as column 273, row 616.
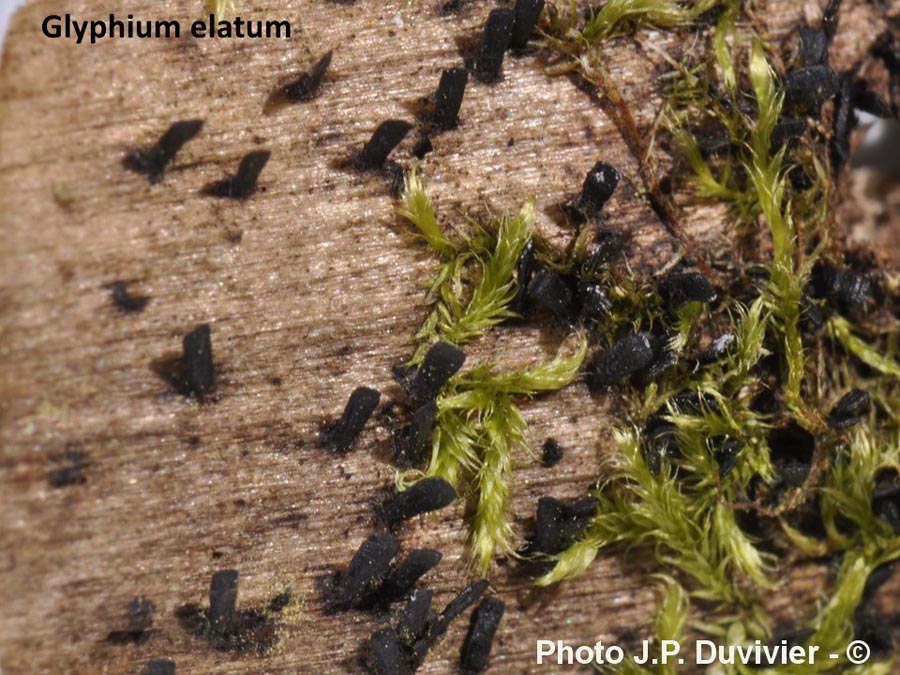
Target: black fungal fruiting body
column 813, row 46
column 386, row 653
column 525, row 268
column 159, row 667
column 404, row 576
column 367, row 569
column 599, row 185
column 466, row 598
column 152, row 161
column 449, row 98
column 223, row 601
column 558, row 522
column 71, row 473
column 528, row 12
column 124, row 301
column 791, row 450
column 551, row 453
column 199, row 371
column 809, row 86
column 684, row 287
column 429, row 494
column 411, row 442
column 305, row 87
column 848, row 411
column 441, row 362
column 422, row 147
column 342, row 435
column 550, row 291
column 476, row 649
column 727, row 455
column 494, row 41
column 628, row 355
column 414, row 616
column 849, row 290
column 243, row 183
column 385, row 138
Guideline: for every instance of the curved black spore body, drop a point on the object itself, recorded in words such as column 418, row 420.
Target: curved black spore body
column 848, row 411
column 403, row 578
column 386, row 653
column 360, row 406
column 599, row 185
column 305, row 87
column 558, row 522
column 152, row 161
column 243, row 183
column 385, row 138
column 412, row 441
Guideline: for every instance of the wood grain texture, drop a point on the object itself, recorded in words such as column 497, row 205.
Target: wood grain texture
column 312, row 283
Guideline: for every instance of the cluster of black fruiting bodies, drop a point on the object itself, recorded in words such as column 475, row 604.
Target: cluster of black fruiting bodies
column 370, row 580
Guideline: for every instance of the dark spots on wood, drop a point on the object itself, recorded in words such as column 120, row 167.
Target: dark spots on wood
column 152, row 161
column 140, row 620
column 71, row 469
column 244, row 183
column 411, row 442
column 124, row 301
column 342, row 435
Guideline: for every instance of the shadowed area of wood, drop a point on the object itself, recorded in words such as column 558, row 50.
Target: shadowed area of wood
column 311, row 287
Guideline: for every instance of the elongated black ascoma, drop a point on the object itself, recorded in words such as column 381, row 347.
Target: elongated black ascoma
column 403, row 577
column 342, row 435
column 476, row 650
column 223, row 601
column 243, row 183
column 599, row 185
column 628, row 355
column 429, row 494
column 385, row 138
column 199, row 371
column 681, row 287
column 558, row 522
column 849, row 410
column 386, row 653
column 494, row 42
column 305, row 87
column 367, row 569
column 152, row 161
column 527, row 14
column 159, row 667
column 449, row 98
column 441, row 362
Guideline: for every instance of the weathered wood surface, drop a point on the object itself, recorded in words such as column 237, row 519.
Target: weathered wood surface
column 313, row 282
